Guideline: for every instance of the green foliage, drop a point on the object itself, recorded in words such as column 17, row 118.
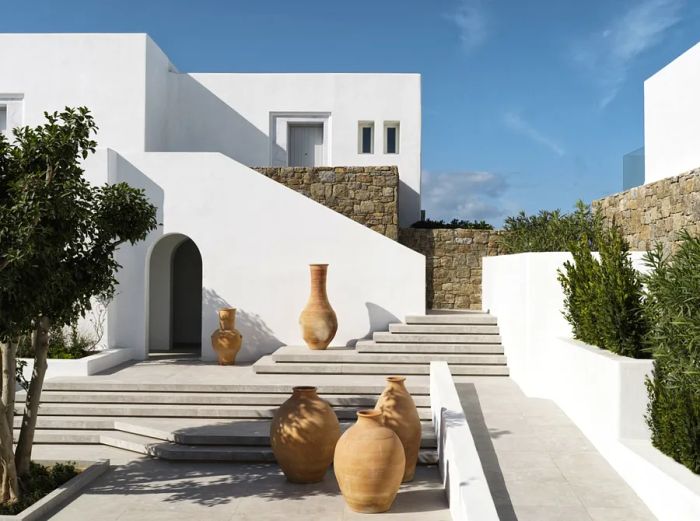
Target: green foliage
column 64, row 343
column 58, row 232
column 454, row 223
column 673, row 308
column 603, row 298
column 551, row 231
column 40, row 482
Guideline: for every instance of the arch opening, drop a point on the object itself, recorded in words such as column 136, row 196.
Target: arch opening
column 175, row 298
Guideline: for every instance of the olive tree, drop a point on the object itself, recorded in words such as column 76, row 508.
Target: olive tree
column 58, row 236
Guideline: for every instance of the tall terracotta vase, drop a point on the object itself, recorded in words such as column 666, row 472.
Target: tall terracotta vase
column 369, row 464
column 318, row 321
column 303, row 435
column 401, row 416
column 226, row 340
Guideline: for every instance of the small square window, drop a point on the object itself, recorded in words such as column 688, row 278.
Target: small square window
column 366, row 137
column 391, row 138
column 3, row 118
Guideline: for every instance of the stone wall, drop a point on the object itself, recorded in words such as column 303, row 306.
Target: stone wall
column 453, row 263
column 366, row 194
column 655, row 212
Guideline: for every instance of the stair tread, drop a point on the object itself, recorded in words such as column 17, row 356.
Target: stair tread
column 480, row 329
column 370, row 346
column 456, row 318
column 431, row 338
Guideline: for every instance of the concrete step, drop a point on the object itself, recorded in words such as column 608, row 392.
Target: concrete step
column 299, row 354
column 244, row 433
column 422, row 338
column 181, row 411
column 462, row 318
column 107, row 397
column 269, row 367
column 444, row 329
column 70, row 422
column 171, row 451
column 89, row 385
column 370, row 346
column 64, row 437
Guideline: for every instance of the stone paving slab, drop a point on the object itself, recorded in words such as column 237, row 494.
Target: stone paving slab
column 150, row 490
column 539, row 465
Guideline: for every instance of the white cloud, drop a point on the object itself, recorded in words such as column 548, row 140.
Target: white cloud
column 516, row 123
column 471, row 23
column 608, row 54
column 464, row 195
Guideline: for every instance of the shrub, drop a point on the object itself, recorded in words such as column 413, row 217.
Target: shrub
column 551, row 231
column 40, row 482
column 603, row 298
column 673, row 309
column 454, row 223
column 64, row 343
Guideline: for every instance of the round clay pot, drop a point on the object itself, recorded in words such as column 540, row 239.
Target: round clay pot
column 401, row 416
column 226, row 340
column 303, row 435
column 369, row 464
column 318, row 321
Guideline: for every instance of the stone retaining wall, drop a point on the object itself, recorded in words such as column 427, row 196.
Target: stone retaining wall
column 453, row 263
column 366, row 194
column 655, row 212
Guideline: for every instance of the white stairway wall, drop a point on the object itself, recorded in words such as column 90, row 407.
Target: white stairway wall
column 256, row 238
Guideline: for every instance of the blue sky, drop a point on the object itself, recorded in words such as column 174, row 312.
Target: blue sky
column 526, row 105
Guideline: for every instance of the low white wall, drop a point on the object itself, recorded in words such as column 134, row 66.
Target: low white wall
column 604, row 394
column 257, row 238
column 86, row 366
column 462, row 474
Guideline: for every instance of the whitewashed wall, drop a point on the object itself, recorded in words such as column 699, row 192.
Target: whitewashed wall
column 603, row 394
column 672, row 118
column 256, row 238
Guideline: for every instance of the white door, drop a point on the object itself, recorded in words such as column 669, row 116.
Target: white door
column 305, row 145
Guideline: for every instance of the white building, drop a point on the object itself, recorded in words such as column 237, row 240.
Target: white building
column 189, row 140
column 672, row 118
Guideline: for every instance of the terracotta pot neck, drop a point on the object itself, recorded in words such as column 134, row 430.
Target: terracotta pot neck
column 396, row 382
column 318, row 280
column 227, row 318
column 370, row 417
column 304, row 391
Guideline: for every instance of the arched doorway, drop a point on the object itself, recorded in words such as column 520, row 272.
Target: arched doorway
column 175, row 297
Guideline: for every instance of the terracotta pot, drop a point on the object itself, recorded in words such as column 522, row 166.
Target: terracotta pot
column 401, row 416
column 303, row 435
column 318, row 321
column 226, row 340
column 369, row 464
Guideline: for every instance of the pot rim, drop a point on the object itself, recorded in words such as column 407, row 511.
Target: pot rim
column 304, row 389
column 395, row 379
column 369, row 413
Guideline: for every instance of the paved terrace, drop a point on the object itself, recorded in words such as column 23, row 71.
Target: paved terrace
column 540, row 467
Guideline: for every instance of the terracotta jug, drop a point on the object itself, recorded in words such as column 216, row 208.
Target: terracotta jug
column 303, row 435
column 226, row 340
column 318, row 321
column 369, row 464
column 401, row 416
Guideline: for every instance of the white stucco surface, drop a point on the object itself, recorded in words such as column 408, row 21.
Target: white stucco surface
column 256, row 238
column 604, row 394
column 672, row 118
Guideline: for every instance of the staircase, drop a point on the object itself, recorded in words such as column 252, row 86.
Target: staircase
column 193, row 423
column 468, row 341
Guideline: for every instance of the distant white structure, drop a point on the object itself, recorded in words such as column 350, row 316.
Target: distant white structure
column 672, row 118
column 229, row 235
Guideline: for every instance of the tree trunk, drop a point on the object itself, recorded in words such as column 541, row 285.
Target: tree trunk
column 9, row 489
column 40, row 343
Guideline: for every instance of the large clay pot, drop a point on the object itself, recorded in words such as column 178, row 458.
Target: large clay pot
column 226, row 340
column 369, row 464
column 318, row 321
column 303, row 435
column 401, row 416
